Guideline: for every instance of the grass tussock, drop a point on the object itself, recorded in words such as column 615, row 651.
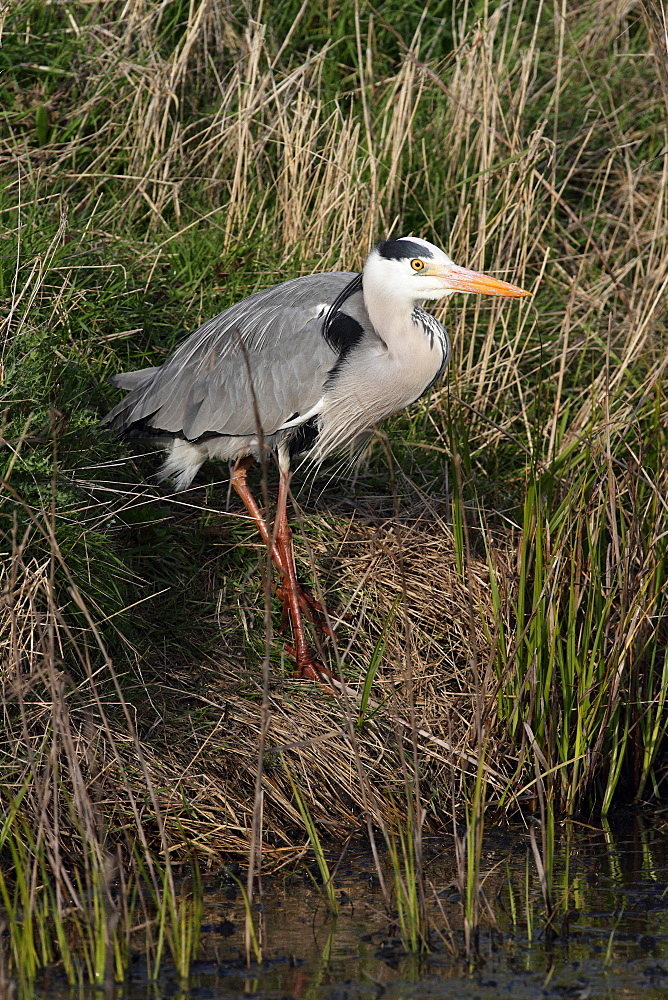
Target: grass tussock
column 505, row 580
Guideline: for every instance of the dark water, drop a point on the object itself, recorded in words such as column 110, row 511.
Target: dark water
column 611, row 935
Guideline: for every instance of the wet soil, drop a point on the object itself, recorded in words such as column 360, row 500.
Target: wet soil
column 609, row 937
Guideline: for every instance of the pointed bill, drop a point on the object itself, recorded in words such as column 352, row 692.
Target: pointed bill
column 463, row 280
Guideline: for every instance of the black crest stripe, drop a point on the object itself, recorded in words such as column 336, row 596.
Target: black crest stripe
column 402, row 250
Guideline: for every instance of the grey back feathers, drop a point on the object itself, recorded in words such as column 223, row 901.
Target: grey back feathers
column 132, row 380
column 301, row 362
column 266, row 351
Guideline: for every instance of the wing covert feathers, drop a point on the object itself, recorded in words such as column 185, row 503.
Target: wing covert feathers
column 267, row 350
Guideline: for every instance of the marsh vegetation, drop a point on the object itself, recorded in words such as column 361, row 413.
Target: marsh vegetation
column 497, row 566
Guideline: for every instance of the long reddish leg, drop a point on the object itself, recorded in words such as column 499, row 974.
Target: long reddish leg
column 282, row 556
column 239, row 483
column 307, row 665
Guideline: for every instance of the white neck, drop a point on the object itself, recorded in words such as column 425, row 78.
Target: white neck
column 391, row 317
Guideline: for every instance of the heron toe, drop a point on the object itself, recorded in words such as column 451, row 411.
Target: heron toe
column 308, row 668
column 314, row 611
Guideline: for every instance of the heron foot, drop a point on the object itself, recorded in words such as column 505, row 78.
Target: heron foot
column 315, row 612
column 312, row 609
column 308, row 668
column 320, row 608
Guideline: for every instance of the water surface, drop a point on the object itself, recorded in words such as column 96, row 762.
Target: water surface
column 610, row 937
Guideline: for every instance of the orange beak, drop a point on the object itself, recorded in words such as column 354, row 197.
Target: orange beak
column 463, row 280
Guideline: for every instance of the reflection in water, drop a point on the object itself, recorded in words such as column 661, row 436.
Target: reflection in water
column 611, row 930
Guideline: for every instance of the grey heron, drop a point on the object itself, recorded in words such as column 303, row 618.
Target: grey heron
column 304, row 368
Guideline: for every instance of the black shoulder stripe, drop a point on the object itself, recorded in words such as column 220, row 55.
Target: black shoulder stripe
column 343, row 332
column 303, row 437
column 342, row 360
column 340, row 330
column 334, row 338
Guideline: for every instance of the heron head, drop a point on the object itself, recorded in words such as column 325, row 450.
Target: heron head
column 414, row 269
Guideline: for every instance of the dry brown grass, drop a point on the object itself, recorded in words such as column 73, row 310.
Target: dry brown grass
column 201, row 776
column 274, row 158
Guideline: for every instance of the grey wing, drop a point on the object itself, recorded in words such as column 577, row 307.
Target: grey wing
column 267, row 350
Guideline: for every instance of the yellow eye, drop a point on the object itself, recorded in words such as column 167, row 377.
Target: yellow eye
column 417, row 264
